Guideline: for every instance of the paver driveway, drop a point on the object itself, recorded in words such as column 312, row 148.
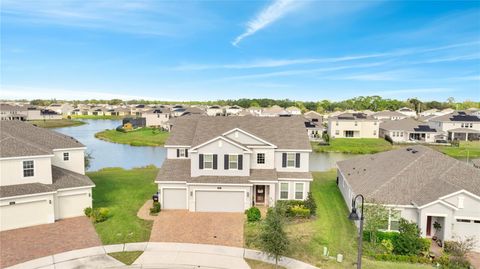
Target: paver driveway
column 25, row 244
column 182, row 226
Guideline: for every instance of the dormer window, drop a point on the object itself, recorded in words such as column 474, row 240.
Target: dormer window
column 182, row 153
column 28, row 169
column 66, row 156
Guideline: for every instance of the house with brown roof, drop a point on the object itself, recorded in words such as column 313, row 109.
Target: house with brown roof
column 228, row 164
column 409, row 130
column 459, row 125
column 42, row 176
column 418, row 184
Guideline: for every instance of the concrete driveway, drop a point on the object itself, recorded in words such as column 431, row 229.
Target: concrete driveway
column 181, row 226
column 29, row 243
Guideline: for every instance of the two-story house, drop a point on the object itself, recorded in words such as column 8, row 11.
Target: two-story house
column 228, row 164
column 157, row 117
column 459, row 125
column 389, row 115
column 353, row 125
column 42, row 176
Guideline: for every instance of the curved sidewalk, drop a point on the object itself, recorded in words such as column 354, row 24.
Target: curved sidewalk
column 160, row 255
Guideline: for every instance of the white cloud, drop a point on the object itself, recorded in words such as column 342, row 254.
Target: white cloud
column 270, row 14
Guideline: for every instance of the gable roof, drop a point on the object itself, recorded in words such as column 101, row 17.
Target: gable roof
column 285, row 133
column 407, row 124
column 388, row 113
column 353, row 116
column 418, row 175
column 457, row 116
column 19, row 138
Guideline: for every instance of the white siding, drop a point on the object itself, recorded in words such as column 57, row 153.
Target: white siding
column 76, row 162
column 304, row 162
column 71, row 203
column 11, row 171
column 27, row 211
column 269, row 159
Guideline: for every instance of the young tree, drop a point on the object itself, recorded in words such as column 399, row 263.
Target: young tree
column 273, row 239
column 88, row 160
column 376, row 217
column 408, row 241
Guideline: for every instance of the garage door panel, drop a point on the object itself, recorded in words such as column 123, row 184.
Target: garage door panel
column 220, row 201
column 464, row 230
column 25, row 214
column 174, row 199
column 72, row 205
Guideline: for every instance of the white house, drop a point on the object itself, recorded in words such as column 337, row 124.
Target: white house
column 215, row 111
column 409, row 130
column 293, row 110
column 157, row 117
column 62, row 109
column 389, row 115
column 42, row 176
column 353, row 125
column 233, row 111
column 408, row 112
column 420, row 185
column 314, row 125
column 228, row 164
column 459, row 125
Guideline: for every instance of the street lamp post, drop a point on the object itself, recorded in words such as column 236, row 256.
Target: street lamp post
column 354, row 216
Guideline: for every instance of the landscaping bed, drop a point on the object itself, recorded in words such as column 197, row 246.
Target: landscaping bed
column 354, row 145
column 123, row 192
column 139, row 137
column 56, row 123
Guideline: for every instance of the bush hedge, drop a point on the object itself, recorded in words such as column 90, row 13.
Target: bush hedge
column 156, row 208
column 392, row 236
column 402, row 258
column 285, row 207
column 97, row 214
column 300, row 211
column 253, row 214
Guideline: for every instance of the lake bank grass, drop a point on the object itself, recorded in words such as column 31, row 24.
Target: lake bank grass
column 93, row 117
column 354, row 145
column 465, row 149
column 140, row 137
column 56, row 123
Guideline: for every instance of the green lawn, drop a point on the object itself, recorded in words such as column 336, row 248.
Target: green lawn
column 123, row 192
column 92, row 117
column 464, row 150
column 56, row 123
column 331, row 228
column 254, row 264
column 354, row 145
column 140, row 137
column 126, row 257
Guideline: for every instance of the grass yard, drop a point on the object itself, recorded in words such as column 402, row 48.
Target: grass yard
column 93, row 117
column 126, row 257
column 123, row 192
column 261, row 265
column 354, row 145
column 140, row 137
column 331, row 228
column 56, row 123
column 464, row 150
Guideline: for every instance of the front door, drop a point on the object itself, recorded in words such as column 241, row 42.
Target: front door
column 260, row 194
column 429, row 225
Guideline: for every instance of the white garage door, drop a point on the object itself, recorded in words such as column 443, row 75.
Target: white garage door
column 467, row 228
column 220, row 201
column 72, row 205
column 174, row 199
column 25, row 214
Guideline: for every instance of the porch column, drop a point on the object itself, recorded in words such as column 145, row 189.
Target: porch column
column 466, row 136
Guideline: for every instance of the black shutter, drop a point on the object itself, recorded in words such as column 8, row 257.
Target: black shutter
column 178, row 153
column 200, row 161
column 225, row 162
column 297, row 160
column 215, row 161
column 186, row 153
column 284, row 159
column 240, row 162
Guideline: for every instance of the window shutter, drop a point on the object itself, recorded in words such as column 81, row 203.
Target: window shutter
column 284, row 159
column 215, row 161
column 240, row 162
column 178, row 153
column 186, row 153
column 225, row 162
column 200, row 161
column 297, row 160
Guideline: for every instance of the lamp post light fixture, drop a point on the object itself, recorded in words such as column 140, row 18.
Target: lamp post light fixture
column 354, row 216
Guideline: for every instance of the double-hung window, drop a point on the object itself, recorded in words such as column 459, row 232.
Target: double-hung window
column 260, row 158
column 66, row 156
column 208, row 161
column 394, row 220
column 299, row 191
column 181, row 153
column 291, row 159
column 28, row 169
column 232, row 161
column 283, row 191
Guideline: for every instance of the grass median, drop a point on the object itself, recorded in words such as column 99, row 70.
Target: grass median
column 140, row 137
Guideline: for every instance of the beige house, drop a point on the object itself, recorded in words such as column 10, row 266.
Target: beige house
column 42, row 176
column 156, row 117
column 215, row 111
column 420, row 185
column 409, row 130
column 353, row 125
column 389, row 115
column 228, row 164
column 62, row 109
column 314, row 125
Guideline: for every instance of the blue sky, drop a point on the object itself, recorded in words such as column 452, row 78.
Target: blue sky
column 209, row 50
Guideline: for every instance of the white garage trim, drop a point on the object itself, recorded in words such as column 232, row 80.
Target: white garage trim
column 219, row 184
column 25, row 201
column 173, row 188
column 469, row 218
column 217, row 190
column 76, row 188
column 26, row 195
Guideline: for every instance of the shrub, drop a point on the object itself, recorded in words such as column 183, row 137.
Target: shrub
column 284, row 207
column 380, row 236
column 408, row 241
column 388, row 246
column 253, row 214
column 88, row 211
column 156, row 208
column 300, row 211
column 459, row 247
column 310, row 204
column 453, row 262
column 97, row 214
column 402, row 258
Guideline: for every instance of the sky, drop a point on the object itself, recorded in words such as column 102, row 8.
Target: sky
column 210, row 50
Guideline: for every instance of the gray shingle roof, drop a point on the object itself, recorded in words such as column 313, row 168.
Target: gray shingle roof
column 402, row 177
column 24, row 139
column 24, row 189
column 407, row 124
column 284, row 132
column 457, row 116
column 388, row 113
column 179, row 170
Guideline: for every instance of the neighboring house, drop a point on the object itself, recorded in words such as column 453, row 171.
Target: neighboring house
column 293, row 110
column 273, row 111
column 233, row 111
column 255, row 110
column 408, row 112
column 42, row 176
column 193, row 111
column 62, row 109
column 156, row 117
column 353, row 125
column 430, row 112
column 13, row 112
column 133, row 123
column 389, row 115
column 420, row 185
column 314, row 125
column 460, row 125
column 215, row 111
column 228, row 164
column 409, row 130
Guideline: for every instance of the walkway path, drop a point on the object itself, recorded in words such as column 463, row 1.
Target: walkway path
column 159, row 255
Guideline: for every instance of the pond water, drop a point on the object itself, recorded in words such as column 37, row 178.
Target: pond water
column 106, row 154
